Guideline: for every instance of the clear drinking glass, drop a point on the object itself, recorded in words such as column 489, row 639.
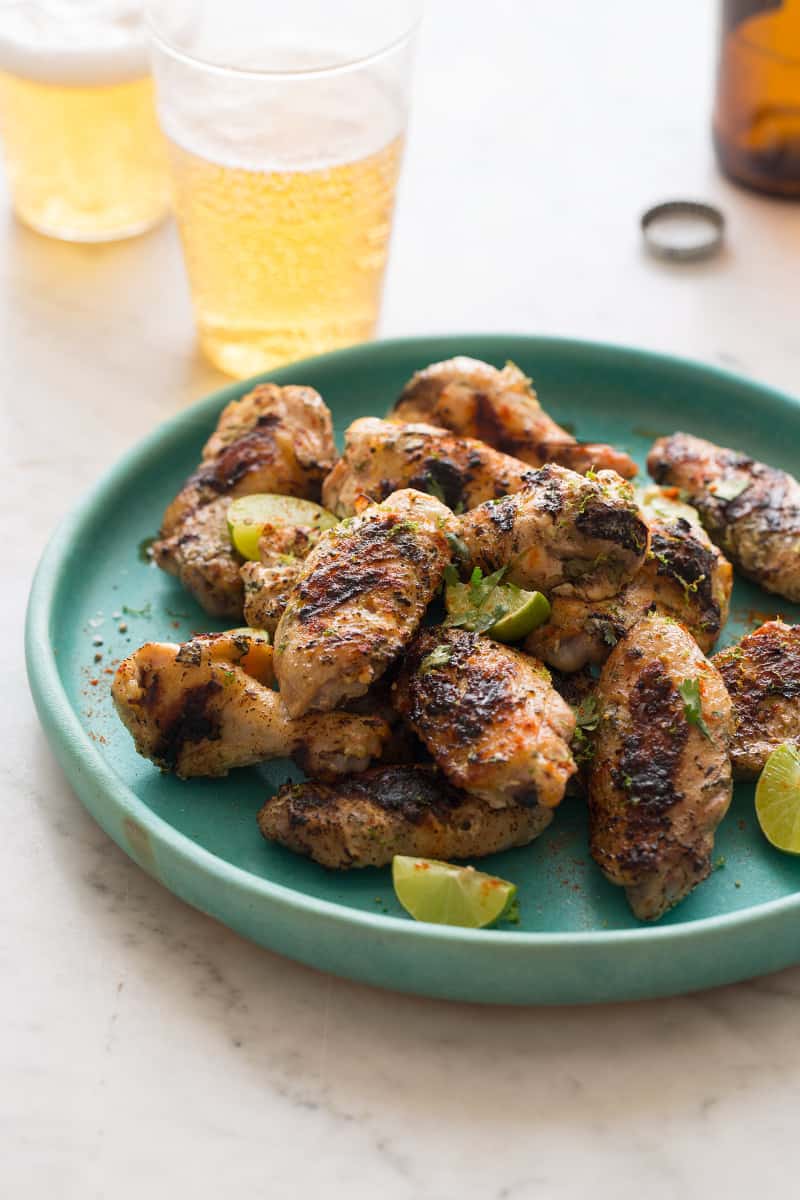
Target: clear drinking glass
column 285, row 124
column 85, row 157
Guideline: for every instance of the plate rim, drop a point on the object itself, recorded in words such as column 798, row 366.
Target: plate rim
column 77, row 752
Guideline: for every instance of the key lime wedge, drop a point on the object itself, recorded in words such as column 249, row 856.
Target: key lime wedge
column 778, row 799
column 443, row 894
column 248, row 515
column 485, row 605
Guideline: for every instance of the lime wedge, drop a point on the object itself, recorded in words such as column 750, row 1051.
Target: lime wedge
column 443, row 894
column 532, row 610
column 485, row 605
column 248, row 515
column 778, row 799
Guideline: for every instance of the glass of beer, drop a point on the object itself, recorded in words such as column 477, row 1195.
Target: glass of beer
column 285, row 126
column 86, row 160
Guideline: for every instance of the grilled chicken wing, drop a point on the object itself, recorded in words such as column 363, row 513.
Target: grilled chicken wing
column 361, row 595
column 380, row 457
column 660, row 778
column 364, row 820
column 565, row 533
column 762, row 675
column 205, row 707
column 489, row 717
column 501, row 408
column 684, row 576
column 272, row 440
column 751, row 511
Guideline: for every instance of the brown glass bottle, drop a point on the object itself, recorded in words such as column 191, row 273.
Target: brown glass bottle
column 757, row 111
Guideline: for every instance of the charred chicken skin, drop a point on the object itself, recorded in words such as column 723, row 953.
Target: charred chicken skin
column 205, row 707
column 275, row 439
column 684, row 576
column 565, row 533
column 361, row 595
column 364, row 820
column 489, row 717
column 660, row 777
column 500, row 407
column 751, row 510
column 380, row 457
column 762, row 675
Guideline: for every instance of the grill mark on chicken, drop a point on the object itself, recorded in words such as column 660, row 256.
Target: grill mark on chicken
column 465, row 694
column 195, row 722
column 762, row 675
column 335, row 583
column 411, row 793
column 362, row 593
column 501, row 408
column 681, row 557
column 382, row 457
column 444, row 474
column 366, row 819
column 684, row 576
column 563, row 533
column 271, row 440
column 502, row 515
column 488, row 715
column 208, row 707
column 751, row 510
column 620, row 526
column 649, row 762
column 660, row 776
column 252, row 452
column 549, row 490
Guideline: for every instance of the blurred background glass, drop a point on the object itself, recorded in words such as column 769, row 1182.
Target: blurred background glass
column 84, row 154
column 285, row 126
column 757, row 113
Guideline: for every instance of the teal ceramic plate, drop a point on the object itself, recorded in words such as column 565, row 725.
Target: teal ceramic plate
column 576, row 942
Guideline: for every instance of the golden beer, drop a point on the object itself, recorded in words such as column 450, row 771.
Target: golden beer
column 284, row 263
column 85, row 163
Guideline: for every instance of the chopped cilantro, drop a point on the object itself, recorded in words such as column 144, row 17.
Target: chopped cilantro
column 608, row 633
column 147, row 611
column 692, row 707
column 471, row 609
column 434, row 488
column 458, row 546
column 587, row 714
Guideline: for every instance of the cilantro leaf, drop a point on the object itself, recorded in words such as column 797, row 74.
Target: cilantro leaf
column 692, row 706
column 587, row 713
column 458, row 546
column 434, row 488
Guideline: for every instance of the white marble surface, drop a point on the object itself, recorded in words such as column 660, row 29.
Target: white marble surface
column 146, row 1050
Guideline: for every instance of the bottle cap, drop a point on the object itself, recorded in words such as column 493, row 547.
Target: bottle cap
column 683, row 230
